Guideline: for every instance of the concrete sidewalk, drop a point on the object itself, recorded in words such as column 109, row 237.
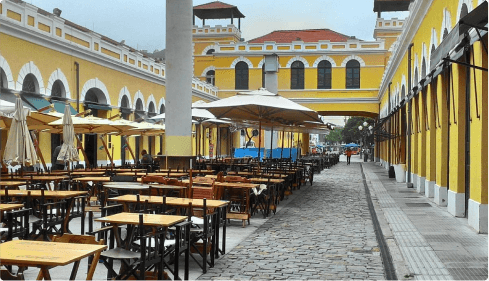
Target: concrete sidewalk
column 425, row 241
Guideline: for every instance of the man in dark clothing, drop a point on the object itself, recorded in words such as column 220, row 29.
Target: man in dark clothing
column 55, row 165
column 147, row 159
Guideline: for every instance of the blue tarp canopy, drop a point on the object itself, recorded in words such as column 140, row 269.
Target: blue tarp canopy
column 352, row 145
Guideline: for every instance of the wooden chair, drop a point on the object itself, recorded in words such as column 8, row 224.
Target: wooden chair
column 17, row 225
column 79, row 239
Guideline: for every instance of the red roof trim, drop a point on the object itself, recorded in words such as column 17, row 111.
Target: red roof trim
column 214, row 5
column 306, row 35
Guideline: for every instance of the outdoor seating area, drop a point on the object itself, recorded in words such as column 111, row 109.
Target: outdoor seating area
column 144, row 219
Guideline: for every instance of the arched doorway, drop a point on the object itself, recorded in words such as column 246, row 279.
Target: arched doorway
column 125, row 112
column 93, row 97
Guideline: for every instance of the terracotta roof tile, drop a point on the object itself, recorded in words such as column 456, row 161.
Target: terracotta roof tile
column 214, row 5
column 307, row 35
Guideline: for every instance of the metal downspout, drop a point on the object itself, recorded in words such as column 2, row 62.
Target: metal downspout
column 410, row 107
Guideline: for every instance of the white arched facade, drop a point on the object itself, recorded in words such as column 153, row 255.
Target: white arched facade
column 209, row 68
column 433, row 42
column 58, row 75
column 324, row 57
column 124, row 92
column 416, row 67
column 151, row 98
column 446, row 23
column 139, row 95
column 30, row 68
column 241, row 58
column 297, row 58
column 353, row 57
column 404, row 84
column 204, row 52
column 162, row 102
column 459, row 9
column 8, row 72
column 424, row 55
column 95, row 83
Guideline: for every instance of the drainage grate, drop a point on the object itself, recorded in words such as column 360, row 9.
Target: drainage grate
column 406, row 191
column 439, row 238
column 419, row 205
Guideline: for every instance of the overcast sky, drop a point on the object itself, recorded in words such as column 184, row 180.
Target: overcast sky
column 142, row 23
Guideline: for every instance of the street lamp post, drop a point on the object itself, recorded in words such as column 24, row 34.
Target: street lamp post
column 366, row 131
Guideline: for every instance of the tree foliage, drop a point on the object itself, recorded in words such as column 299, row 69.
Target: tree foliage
column 335, row 136
column 351, row 133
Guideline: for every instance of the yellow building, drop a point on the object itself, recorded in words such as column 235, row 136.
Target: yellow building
column 431, row 108
column 49, row 59
column 434, row 103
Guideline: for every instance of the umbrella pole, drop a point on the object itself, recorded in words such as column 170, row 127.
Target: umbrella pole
column 271, row 144
column 259, row 141
column 80, row 146
column 107, row 151
column 290, row 144
column 39, row 153
column 218, row 148
column 196, row 142
column 231, row 146
column 282, row 151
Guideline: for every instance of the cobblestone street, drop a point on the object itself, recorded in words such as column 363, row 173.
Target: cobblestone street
column 325, row 233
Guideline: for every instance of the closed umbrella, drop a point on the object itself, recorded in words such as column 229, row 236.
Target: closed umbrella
column 19, row 149
column 68, row 152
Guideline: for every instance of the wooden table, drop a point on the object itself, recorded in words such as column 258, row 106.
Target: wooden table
column 46, row 178
column 87, row 173
column 150, row 220
column 9, row 207
column 11, row 184
column 94, row 179
column 220, row 205
column 47, row 255
column 140, row 174
column 48, row 194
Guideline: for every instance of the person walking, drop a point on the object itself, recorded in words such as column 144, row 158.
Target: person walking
column 348, row 156
column 55, row 164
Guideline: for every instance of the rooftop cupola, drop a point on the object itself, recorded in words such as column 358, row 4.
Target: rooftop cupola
column 217, row 10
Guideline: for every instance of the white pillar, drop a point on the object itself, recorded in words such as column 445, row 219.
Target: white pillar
column 178, row 121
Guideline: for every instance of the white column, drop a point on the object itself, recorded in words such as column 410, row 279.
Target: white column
column 178, row 121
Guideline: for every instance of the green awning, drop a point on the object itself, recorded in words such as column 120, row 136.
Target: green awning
column 59, row 106
column 37, row 102
column 98, row 106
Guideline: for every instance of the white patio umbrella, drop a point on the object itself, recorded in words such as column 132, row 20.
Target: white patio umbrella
column 19, row 148
column 260, row 105
column 68, row 152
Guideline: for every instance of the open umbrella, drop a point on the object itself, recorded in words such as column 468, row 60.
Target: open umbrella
column 19, row 148
column 68, row 152
column 260, row 105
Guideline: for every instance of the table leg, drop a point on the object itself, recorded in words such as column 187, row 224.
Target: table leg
column 216, row 231
column 44, row 273
column 74, row 270
column 67, row 218
column 91, row 271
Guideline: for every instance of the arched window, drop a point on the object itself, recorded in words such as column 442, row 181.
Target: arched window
column 263, row 76
column 416, row 77
column 30, row 84
column 3, row 79
column 353, row 74
column 403, row 92
column 210, row 52
column 423, row 68
column 125, row 104
column 139, row 105
column 151, row 109
column 58, row 89
column 162, row 109
column 297, row 75
column 241, row 76
column 210, row 77
column 324, row 75
column 464, row 10
column 445, row 33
